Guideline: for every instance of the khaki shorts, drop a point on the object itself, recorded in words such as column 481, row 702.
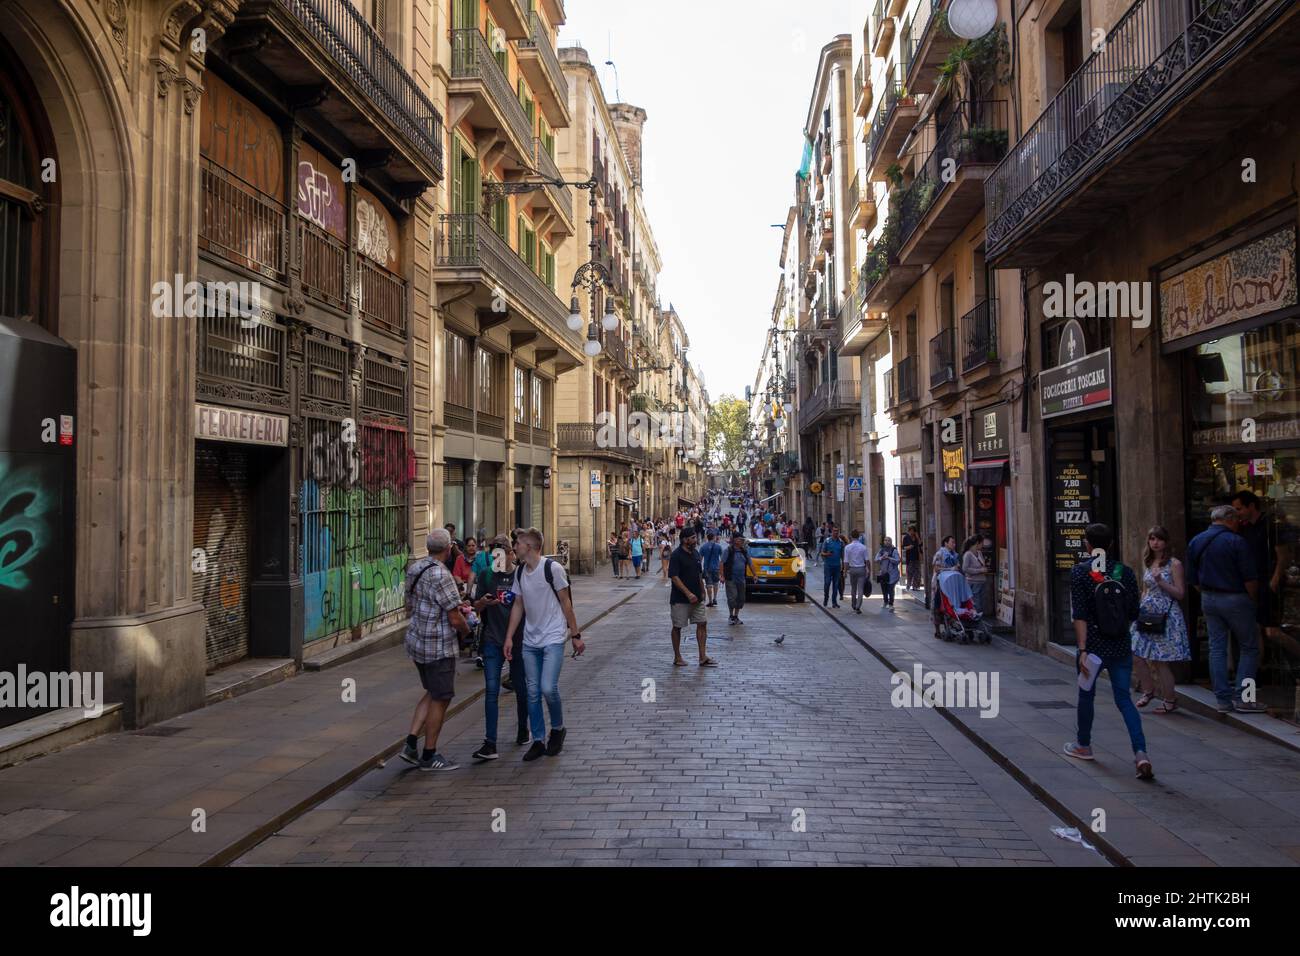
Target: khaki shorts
column 684, row 614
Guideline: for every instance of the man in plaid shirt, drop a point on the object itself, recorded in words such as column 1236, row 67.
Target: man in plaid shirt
column 432, row 643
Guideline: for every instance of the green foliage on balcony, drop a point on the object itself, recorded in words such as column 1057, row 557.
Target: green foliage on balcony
column 979, row 64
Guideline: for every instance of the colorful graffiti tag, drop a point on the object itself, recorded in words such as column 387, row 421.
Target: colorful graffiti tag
column 25, row 506
column 354, row 553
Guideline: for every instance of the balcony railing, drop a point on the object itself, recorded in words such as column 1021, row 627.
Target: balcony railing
column 539, row 40
column 240, row 224
column 343, row 33
column 467, row 241
column 906, row 380
column 976, row 133
column 588, row 438
column 927, row 16
column 893, row 98
column 837, row 397
column 324, row 259
column 979, row 335
column 943, row 362
column 471, row 58
column 891, row 395
column 614, row 346
column 1151, row 48
column 562, row 195
column 382, row 297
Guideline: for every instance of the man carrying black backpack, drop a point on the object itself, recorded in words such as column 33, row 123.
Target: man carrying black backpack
column 1104, row 603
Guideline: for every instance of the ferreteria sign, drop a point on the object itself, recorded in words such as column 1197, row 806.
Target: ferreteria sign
column 214, row 423
column 1076, row 386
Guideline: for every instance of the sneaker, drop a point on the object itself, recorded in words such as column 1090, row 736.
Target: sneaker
column 438, row 762
column 556, row 743
column 538, row 749
column 410, row 754
column 1223, row 708
column 487, row 752
column 1075, row 750
column 1144, row 770
column 521, row 738
column 1254, row 707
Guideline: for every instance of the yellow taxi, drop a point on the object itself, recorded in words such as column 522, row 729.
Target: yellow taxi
column 779, row 567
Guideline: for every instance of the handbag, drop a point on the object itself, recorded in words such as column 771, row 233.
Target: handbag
column 1151, row 622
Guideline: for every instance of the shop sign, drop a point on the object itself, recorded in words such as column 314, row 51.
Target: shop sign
column 954, row 469
column 595, row 489
column 214, row 423
column 1274, row 431
column 991, row 432
column 1071, row 514
column 909, row 468
column 1256, row 278
column 1076, row 386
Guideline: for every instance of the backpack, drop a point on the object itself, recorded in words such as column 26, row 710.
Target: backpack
column 1110, row 604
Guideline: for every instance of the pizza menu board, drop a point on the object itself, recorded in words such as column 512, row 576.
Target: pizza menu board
column 1071, row 514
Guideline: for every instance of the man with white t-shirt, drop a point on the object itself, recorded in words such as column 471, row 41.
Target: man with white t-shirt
column 542, row 603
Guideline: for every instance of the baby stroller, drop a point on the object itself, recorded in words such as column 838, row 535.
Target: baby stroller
column 956, row 617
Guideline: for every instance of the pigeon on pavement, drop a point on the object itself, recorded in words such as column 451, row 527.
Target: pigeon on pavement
column 780, row 640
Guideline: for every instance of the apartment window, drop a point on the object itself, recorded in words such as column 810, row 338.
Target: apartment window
column 464, row 14
column 527, row 243
column 528, row 103
column 1063, row 47
column 547, row 136
column 459, row 391
column 465, row 184
column 488, row 394
column 497, row 44
column 499, row 213
column 521, row 396
column 547, row 270
column 540, row 416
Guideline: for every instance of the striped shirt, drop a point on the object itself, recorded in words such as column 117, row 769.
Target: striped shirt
column 430, row 594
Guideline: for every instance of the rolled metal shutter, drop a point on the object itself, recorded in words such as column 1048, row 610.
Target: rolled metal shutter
column 222, row 541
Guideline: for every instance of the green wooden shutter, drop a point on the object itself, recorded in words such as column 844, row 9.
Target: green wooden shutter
column 464, row 14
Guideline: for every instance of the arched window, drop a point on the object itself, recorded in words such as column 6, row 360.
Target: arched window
column 25, row 204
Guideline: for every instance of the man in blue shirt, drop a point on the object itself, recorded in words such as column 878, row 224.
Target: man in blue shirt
column 711, row 559
column 832, row 555
column 1220, row 563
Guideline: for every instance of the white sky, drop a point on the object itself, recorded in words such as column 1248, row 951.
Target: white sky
column 726, row 85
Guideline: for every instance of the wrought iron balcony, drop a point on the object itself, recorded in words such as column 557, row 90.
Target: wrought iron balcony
column 616, row 349
column 882, row 28
column 476, row 72
column 862, row 87
column 943, row 361
column 906, row 380
column 925, row 44
column 979, row 333
column 561, row 197
column 315, row 43
column 830, row 400
column 948, row 189
column 897, row 112
column 1136, row 108
column 469, row 250
column 539, row 63
column 591, row 440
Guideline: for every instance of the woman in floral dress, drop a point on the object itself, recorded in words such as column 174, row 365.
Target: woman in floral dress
column 1163, row 587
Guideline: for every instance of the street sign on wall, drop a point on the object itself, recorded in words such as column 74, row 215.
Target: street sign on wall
column 595, row 489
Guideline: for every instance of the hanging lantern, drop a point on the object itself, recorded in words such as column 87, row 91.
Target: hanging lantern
column 575, row 315
column 972, row 19
column 592, row 347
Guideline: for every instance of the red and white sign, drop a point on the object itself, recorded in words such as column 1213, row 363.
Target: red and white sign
column 65, row 429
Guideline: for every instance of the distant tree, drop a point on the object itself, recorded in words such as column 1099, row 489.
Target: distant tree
column 728, row 421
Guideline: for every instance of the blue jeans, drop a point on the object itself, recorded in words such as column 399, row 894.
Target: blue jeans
column 493, row 662
column 542, row 667
column 1230, row 614
column 1121, row 680
column 832, row 590
column 979, row 594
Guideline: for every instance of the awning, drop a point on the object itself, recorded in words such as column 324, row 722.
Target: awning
column 769, row 498
column 625, row 502
column 986, row 474
column 686, row 501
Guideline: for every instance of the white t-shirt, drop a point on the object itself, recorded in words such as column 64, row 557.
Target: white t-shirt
column 544, row 622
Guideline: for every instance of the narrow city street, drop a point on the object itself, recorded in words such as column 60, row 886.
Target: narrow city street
column 787, row 753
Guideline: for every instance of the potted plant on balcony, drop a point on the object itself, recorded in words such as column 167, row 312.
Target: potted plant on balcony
column 979, row 64
column 984, row 144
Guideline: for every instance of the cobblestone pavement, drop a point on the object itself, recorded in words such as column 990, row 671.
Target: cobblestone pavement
column 786, row 754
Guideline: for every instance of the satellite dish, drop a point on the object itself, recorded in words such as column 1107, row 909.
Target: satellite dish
column 972, row 19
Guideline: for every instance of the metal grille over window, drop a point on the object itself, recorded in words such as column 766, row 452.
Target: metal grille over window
column 253, row 355
column 384, row 387
column 327, row 370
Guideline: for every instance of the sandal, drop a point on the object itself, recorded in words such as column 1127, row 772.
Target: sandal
column 1144, row 770
column 708, row 662
column 1166, row 707
column 679, row 663
column 1145, row 699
